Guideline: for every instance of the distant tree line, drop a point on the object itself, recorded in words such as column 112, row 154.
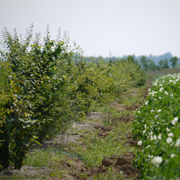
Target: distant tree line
column 144, row 62
column 163, row 63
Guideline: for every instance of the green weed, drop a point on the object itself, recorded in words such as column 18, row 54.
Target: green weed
column 39, row 158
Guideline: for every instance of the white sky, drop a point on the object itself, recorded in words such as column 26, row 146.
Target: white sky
column 139, row 27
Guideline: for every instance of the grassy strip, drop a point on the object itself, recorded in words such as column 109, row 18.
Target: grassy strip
column 157, row 125
column 96, row 148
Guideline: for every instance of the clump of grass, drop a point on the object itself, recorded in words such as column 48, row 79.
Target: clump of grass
column 39, row 158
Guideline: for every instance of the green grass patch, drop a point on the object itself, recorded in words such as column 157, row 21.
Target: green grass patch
column 97, row 148
column 40, row 158
column 109, row 175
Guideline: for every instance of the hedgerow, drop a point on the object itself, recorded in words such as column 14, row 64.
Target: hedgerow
column 46, row 86
column 157, row 125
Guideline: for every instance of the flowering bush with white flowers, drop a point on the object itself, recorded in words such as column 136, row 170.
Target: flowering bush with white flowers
column 157, row 126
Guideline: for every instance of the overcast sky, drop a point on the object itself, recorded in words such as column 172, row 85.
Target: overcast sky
column 139, row 27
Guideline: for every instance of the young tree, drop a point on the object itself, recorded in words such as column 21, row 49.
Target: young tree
column 131, row 58
column 166, row 63
column 161, row 63
column 174, row 61
column 152, row 65
column 144, row 62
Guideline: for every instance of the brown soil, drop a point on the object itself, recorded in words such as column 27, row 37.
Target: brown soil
column 122, row 163
column 73, row 168
column 123, row 118
column 78, row 170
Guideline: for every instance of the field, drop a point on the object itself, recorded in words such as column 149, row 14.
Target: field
column 159, row 73
column 63, row 116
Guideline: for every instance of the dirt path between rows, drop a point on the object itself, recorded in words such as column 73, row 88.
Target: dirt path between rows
column 77, row 168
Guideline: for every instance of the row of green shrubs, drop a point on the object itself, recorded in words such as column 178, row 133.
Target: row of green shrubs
column 157, row 126
column 43, row 87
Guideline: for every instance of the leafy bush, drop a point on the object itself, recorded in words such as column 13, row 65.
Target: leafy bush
column 34, row 109
column 157, row 125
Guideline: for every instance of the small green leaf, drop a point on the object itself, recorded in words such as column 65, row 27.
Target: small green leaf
column 29, row 104
column 13, row 129
column 18, row 89
column 37, row 142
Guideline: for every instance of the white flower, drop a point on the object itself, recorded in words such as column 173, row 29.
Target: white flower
column 155, row 84
column 146, row 102
column 177, row 143
column 138, row 111
column 157, row 160
column 172, row 155
column 159, row 110
column 150, row 156
column 160, row 85
column 159, row 97
column 161, row 89
column 170, row 80
column 166, row 93
column 169, row 140
column 155, row 137
column 170, row 134
column 171, row 94
column 173, row 122
column 176, row 119
column 159, row 136
column 147, row 146
column 151, row 138
column 156, row 116
column 139, row 143
column 144, row 131
column 167, row 129
column 152, row 110
column 145, row 126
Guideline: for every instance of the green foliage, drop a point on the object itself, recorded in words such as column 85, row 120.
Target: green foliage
column 163, row 63
column 39, row 158
column 37, row 98
column 174, row 61
column 45, row 86
column 156, row 125
column 144, row 62
column 152, row 65
column 148, row 63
